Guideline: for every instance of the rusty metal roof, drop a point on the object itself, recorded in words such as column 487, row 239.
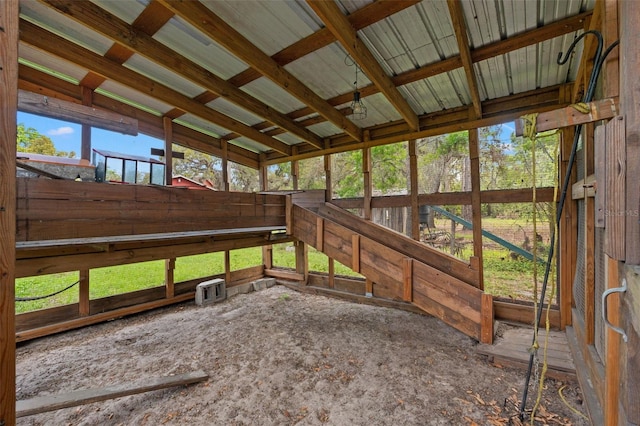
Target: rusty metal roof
column 410, row 63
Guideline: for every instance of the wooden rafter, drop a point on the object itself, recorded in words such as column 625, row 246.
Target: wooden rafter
column 339, row 25
column 100, row 20
column 67, row 50
column 460, row 29
column 36, row 81
column 198, row 15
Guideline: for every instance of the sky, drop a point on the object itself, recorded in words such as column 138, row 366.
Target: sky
column 66, row 136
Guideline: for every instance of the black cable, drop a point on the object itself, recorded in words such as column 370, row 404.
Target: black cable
column 595, row 72
column 31, row 299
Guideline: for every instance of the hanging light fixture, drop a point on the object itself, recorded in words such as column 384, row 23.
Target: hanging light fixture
column 358, row 110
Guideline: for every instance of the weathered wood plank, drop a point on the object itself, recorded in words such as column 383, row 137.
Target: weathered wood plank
column 570, row 116
column 616, row 170
column 407, row 279
column 486, row 326
column 47, row 403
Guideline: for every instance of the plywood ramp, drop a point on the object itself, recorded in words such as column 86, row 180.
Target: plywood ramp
column 399, row 268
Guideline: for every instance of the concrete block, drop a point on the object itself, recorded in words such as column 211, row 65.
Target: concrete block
column 263, row 283
column 240, row 289
column 211, row 291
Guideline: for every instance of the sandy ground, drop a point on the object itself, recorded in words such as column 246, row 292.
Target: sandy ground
column 278, row 357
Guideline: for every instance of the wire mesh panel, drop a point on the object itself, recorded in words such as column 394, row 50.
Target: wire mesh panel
column 601, row 274
column 578, row 282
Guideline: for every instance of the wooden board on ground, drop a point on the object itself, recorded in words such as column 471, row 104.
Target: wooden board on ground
column 47, row 403
column 512, row 349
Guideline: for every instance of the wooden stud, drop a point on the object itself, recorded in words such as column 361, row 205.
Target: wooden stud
column 612, row 364
column 476, row 202
column 288, row 203
column 331, row 273
column 302, row 261
column 167, row 124
column 600, row 176
column 567, row 237
column 486, row 326
column 227, row 265
column 629, row 15
column 617, row 172
column 85, row 142
column 355, row 253
column 368, row 287
column 327, row 178
column 225, row 164
column 83, row 293
column 169, row 269
column 407, row 279
column 8, row 125
column 295, row 168
column 589, row 232
column 319, row 233
column 413, row 190
column 368, row 182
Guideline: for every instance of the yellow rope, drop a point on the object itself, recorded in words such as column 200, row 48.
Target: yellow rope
column 582, row 107
column 568, row 405
column 553, row 288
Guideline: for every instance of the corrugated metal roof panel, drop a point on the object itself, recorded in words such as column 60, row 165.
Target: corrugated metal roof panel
column 254, row 19
column 232, row 110
column 270, row 93
column 192, row 44
column 248, row 144
column 163, row 75
column 66, row 70
column 67, row 28
column 134, row 97
column 195, row 122
column 325, row 129
column 128, row 11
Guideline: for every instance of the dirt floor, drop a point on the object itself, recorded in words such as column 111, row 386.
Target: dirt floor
column 278, row 357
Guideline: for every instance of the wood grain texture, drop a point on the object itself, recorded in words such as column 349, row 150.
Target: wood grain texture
column 616, row 211
column 9, row 89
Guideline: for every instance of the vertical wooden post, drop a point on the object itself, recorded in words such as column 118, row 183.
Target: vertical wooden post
column 407, row 279
column 167, row 125
column 225, row 164
column 612, row 365
column 332, row 273
column 487, row 313
column 567, row 236
column 227, row 266
column 302, row 266
column 295, row 168
column 413, row 190
column 355, row 253
column 170, row 266
column 368, row 184
column 327, row 179
column 267, row 251
column 476, row 203
column 83, row 293
column 85, row 143
column 590, row 240
column 8, row 128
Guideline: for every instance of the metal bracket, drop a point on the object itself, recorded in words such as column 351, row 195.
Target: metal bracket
column 604, row 308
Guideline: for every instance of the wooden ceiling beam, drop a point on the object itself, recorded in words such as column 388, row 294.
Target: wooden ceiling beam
column 339, row 25
column 47, row 41
column 457, row 119
column 202, row 18
column 460, row 30
column 361, row 18
column 528, row 38
column 103, row 22
column 44, row 84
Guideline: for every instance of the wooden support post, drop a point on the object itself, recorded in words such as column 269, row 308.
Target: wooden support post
column 169, row 268
column 267, row 251
column 167, row 124
column 302, row 264
column 567, row 236
column 295, row 168
column 225, row 164
column 486, row 325
column 85, row 142
column 476, row 202
column 8, row 127
column 590, row 240
column 83, row 293
column 355, row 253
column 368, row 287
column 320, row 234
column 407, row 279
column 227, row 266
column 327, row 178
column 332, row 273
column 368, row 183
column 288, row 205
column 612, row 364
column 413, row 190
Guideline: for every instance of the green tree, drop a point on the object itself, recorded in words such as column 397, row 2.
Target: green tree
column 198, row 166
column 243, row 178
column 30, row 140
